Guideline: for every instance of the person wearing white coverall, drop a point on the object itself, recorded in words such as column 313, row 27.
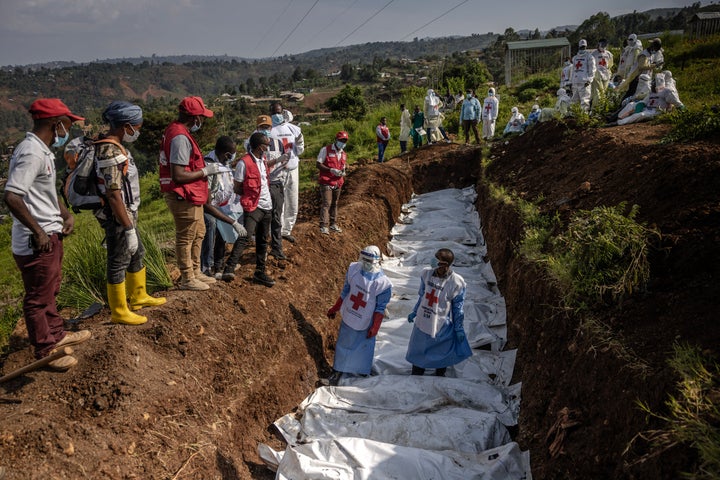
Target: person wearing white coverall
column 562, row 107
column 515, row 124
column 438, row 337
column 583, row 73
column 659, row 99
column 433, row 117
column 294, row 143
column 405, row 126
column 365, row 294
column 489, row 114
column 604, row 63
column 629, row 66
column 565, row 75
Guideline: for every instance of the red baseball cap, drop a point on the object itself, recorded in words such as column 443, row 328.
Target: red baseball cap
column 51, row 107
column 195, row 106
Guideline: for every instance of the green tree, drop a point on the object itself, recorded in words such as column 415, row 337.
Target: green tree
column 348, row 103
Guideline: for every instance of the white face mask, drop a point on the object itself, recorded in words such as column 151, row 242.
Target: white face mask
column 131, row 138
column 196, row 126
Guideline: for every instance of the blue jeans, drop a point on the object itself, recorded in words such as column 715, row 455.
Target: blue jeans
column 381, row 152
column 208, row 244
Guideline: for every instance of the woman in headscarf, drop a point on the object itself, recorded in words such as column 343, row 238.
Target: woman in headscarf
column 119, row 186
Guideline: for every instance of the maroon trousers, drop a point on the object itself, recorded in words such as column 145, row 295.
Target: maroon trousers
column 41, row 274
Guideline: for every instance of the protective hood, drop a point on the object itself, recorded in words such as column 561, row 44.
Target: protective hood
column 370, row 259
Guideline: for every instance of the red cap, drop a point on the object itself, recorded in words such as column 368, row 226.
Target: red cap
column 195, row 106
column 50, row 108
column 342, row 135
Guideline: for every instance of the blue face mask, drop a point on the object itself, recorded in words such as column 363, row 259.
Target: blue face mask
column 434, row 262
column 265, row 132
column 196, row 127
column 277, row 119
column 339, row 145
column 60, row 141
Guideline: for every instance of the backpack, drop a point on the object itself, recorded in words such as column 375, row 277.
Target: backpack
column 80, row 183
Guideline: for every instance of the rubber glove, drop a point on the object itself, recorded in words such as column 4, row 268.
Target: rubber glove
column 377, row 320
column 132, row 240
column 240, row 229
column 335, row 308
column 411, row 317
column 212, row 168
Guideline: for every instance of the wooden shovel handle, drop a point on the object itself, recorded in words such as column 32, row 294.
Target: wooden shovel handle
column 38, row 363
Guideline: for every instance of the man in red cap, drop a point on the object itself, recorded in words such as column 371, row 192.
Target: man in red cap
column 331, row 162
column 183, row 180
column 40, row 221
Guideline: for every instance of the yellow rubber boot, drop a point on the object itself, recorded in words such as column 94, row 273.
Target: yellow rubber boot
column 137, row 288
column 120, row 313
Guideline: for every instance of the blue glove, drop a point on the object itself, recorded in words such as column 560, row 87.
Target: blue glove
column 411, row 317
column 460, row 336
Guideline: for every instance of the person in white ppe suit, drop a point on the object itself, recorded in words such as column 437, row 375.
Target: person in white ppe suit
column 630, row 104
column 433, row 117
column 562, row 107
column 660, row 99
column 294, row 143
column 515, row 124
column 604, row 63
column 629, row 65
column 583, row 73
column 405, row 126
column 489, row 114
column 365, row 294
column 565, row 75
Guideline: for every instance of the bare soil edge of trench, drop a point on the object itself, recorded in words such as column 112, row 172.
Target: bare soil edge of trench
column 191, row 393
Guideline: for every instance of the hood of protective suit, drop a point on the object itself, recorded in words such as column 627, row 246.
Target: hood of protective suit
column 561, row 92
column 288, row 115
column 370, row 259
column 432, row 99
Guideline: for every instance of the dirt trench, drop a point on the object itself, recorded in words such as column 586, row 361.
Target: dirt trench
column 191, row 393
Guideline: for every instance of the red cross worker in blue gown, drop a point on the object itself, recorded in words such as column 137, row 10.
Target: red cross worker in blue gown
column 438, row 337
column 362, row 304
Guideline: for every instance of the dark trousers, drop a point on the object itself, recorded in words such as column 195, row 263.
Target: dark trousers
column 257, row 223
column 218, row 252
column 119, row 259
column 207, row 250
column 467, row 125
column 41, row 275
column 277, row 194
column 403, row 146
column 329, row 197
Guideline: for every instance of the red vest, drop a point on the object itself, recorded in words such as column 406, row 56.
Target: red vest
column 385, row 131
column 332, row 160
column 252, row 184
column 195, row 192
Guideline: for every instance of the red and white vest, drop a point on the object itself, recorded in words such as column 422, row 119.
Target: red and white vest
column 437, row 300
column 359, row 304
column 336, row 160
column 252, row 184
column 195, row 192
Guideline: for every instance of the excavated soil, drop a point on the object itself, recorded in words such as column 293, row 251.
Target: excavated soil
column 191, row 393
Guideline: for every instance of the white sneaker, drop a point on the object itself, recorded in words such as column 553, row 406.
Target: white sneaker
column 335, row 228
column 324, row 230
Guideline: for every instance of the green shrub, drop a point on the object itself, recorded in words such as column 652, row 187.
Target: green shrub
column 602, row 256
column 692, row 125
column 527, row 95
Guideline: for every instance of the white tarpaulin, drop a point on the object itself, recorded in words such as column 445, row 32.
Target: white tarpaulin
column 392, row 425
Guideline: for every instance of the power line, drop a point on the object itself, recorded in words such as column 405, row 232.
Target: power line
column 333, row 21
column 366, row 21
column 296, row 26
column 435, row 19
column 277, row 19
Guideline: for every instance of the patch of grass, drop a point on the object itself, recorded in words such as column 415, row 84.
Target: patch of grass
column 602, row 256
column 693, row 416
column 690, row 125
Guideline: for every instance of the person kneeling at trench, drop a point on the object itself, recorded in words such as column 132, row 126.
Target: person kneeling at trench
column 362, row 303
column 438, row 337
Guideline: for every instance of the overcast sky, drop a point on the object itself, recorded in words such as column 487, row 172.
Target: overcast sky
column 33, row 31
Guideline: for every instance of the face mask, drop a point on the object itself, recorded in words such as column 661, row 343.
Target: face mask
column 265, row 132
column 196, row 126
column 230, row 158
column 434, row 262
column 131, row 138
column 370, row 267
column 468, row 96
column 339, row 145
column 277, row 119
column 59, row 142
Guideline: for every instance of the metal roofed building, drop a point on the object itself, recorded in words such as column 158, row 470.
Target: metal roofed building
column 533, row 56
